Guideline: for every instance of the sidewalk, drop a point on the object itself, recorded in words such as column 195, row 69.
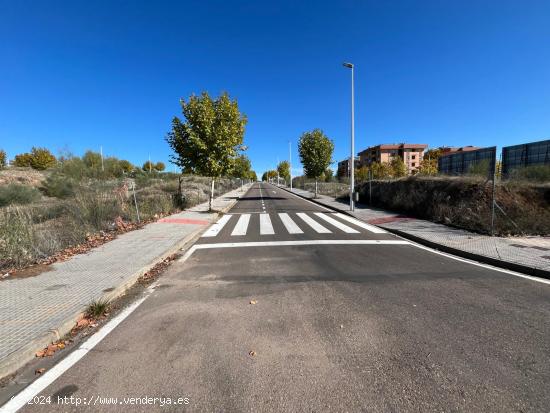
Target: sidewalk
column 34, row 311
column 529, row 255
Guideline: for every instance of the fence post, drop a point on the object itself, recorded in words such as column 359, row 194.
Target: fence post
column 135, row 200
column 370, row 188
column 493, row 205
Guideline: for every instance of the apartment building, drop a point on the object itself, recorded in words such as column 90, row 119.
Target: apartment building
column 411, row 154
column 343, row 167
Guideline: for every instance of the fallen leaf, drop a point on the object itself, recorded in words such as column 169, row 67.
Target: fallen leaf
column 341, row 326
column 253, row 302
column 52, row 347
column 61, row 346
column 40, row 353
column 83, row 323
column 49, row 353
column 39, row 371
column 251, row 353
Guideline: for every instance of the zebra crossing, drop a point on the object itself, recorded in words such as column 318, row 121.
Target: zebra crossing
column 293, row 224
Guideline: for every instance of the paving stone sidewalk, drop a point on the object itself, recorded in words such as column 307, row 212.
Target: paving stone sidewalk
column 35, row 310
column 532, row 252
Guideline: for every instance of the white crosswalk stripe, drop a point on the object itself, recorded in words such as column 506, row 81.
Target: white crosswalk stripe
column 313, row 224
column 217, row 227
column 336, row 223
column 242, row 225
column 265, row 225
column 289, row 224
column 361, row 224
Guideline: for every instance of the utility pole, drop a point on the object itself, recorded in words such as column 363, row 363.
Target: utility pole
column 352, row 157
column 290, row 162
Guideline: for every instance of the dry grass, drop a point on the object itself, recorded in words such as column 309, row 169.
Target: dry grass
column 29, row 233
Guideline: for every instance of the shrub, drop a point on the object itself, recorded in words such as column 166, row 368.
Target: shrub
column 2, row 159
column 535, row 173
column 58, row 186
column 41, row 158
column 126, row 166
column 18, row 194
column 148, row 166
column 159, row 166
column 16, row 237
column 23, row 160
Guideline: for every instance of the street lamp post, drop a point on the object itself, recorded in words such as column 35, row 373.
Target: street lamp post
column 352, row 157
column 290, row 162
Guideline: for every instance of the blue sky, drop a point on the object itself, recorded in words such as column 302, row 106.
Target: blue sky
column 77, row 75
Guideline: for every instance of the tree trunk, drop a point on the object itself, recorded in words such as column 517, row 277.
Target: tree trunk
column 316, row 188
column 211, row 195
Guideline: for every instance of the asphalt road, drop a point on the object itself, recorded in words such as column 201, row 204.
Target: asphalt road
column 346, row 319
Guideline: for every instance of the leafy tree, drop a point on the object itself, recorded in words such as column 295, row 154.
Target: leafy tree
column 253, row 176
column 38, row 158
column 208, row 141
column 23, row 160
column 2, row 159
column 92, row 159
column 284, row 170
column 241, row 168
column 327, row 175
column 380, row 170
column 315, row 150
column 126, row 166
column 429, row 163
column 160, row 166
column 362, row 174
column 269, row 175
column 148, row 166
column 398, row 167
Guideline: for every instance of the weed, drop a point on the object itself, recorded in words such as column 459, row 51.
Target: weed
column 97, row 308
column 18, row 194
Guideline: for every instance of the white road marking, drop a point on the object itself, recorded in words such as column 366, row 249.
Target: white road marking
column 337, row 224
column 22, row 398
column 361, row 224
column 289, row 224
column 314, row 224
column 311, row 202
column 265, row 225
column 242, row 225
column 294, row 243
column 217, row 226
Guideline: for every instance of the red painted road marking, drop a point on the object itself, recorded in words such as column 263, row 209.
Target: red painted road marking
column 184, row 221
column 387, row 220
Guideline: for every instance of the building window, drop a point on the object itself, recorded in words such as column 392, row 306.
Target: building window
column 414, row 156
column 413, row 164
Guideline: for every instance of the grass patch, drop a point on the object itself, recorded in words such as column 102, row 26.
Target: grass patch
column 17, row 194
column 97, row 308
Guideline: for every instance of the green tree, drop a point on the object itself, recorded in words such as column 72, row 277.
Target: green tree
column 159, row 166
column 315, row 150
column 398, row 168
column 429, row 163
column 92, row 159
column 208, row 141
column 327, row 175
column 148, row 166
column 380, row 170
column 42, row 158
column 253, row 176
column 2, row 159
column 23, row 160
column 267, row 175
column 362, row 174
column 241, row 168
column 126, row 166
column 284, row 170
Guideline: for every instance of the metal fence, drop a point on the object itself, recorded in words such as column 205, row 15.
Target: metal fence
column 518, row 157
column 477, row 162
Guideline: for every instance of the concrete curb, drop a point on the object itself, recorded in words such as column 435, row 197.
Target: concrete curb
column 536, row 272
column 20, row 357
